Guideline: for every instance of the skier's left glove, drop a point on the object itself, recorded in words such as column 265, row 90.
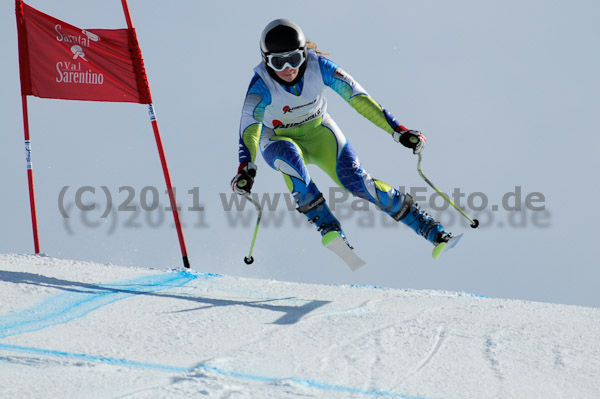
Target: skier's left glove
column 242, row 182
column 410, row 138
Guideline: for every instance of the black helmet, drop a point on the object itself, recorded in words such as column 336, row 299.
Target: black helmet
column 280, row 36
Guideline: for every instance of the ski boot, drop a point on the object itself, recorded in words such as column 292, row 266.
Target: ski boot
column 334, row 239
column 421, row 223
column 319, row 214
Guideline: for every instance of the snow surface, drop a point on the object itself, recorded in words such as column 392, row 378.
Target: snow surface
column 71, row 329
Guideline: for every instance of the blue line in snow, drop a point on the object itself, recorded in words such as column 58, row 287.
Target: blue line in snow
column 175, row 369
column 311, row 384
column 85, row 298
column 65, row 307
column 377, row 287
column 93, row 359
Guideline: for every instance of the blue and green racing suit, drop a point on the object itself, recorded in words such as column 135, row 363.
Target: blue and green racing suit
column 292, row 128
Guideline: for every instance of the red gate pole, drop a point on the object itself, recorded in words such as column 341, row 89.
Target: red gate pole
column 163, row 159
column 23, row 66
column 36, row 240
column 170, row 190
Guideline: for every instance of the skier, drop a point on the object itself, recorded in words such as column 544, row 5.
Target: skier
column 285, row 114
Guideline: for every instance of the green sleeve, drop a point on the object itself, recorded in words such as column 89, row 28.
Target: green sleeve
column 367, row 107
column 251, row 138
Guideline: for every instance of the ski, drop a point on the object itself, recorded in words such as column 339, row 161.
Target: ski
column 336, row 243
column 444, row 246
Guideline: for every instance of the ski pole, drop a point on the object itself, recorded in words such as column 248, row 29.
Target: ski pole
column 474, row 222
column 249, row 259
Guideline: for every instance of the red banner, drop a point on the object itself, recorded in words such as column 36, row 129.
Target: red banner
column 59, row 60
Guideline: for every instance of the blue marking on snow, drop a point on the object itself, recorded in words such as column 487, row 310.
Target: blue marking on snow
column 175, row 369
column 471, row 295
column 373, row 287
column 367, row 286
column 380, row 288
column 81, row 299
column 93, row 359
column 340, row 388
column 310, row 384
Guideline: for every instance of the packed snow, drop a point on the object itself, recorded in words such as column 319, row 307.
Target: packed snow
column 71, row 329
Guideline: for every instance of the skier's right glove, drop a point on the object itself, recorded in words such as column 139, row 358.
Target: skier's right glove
column 242, row 182
column 410, row 138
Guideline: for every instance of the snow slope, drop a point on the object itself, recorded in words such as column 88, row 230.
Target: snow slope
column 84, row 330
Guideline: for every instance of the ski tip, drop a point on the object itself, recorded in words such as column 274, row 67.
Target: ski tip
column 336, row 243
column 329, row 238
column 444, row 246
column 437, row 251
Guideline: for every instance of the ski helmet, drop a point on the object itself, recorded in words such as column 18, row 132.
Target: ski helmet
column 280, row 36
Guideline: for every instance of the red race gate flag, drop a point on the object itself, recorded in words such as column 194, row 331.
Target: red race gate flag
column 59, row 60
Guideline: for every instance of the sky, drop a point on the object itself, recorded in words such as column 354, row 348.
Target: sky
column 507, row 93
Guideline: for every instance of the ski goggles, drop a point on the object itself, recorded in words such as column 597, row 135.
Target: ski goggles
column 291, row 59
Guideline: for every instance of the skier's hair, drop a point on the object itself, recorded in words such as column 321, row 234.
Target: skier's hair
column 313, row 45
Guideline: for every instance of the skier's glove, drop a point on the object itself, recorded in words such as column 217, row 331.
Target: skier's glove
column 410, row 138
column 242, row 182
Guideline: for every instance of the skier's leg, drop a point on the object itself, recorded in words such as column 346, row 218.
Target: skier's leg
column 344, row 167
column 285, row 155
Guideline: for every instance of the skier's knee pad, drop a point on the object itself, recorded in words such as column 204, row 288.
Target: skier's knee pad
column 280, row 152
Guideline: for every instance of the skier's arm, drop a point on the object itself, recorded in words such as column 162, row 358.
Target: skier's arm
column 257, row 99
column 355, row 95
